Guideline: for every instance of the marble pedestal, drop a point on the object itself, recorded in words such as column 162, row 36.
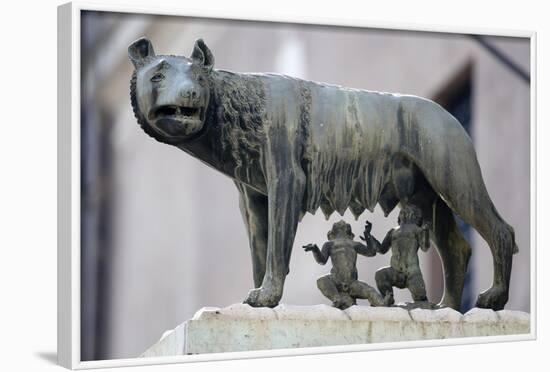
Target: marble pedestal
column 240, row 327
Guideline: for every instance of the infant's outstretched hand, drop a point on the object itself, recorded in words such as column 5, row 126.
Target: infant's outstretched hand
column 309, row 247
column 368, row 227
column 366, row 232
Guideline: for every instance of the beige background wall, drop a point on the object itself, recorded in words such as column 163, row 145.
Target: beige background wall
column 177, row 242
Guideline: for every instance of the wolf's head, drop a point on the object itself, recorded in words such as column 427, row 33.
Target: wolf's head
column 170, row 94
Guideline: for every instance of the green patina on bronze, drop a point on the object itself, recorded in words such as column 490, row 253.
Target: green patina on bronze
column 294, row 146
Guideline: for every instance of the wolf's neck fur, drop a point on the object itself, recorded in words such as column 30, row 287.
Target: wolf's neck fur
column 234, row 125
column 235, row 117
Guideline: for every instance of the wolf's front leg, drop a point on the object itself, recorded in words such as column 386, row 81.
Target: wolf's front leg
column 285, row 195
column 254, row 209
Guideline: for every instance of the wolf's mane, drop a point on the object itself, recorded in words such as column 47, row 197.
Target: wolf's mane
column 239, row 116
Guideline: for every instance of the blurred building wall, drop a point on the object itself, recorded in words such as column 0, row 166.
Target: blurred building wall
column 177, row 241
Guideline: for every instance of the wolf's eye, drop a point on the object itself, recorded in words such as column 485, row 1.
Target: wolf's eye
column 157, row 77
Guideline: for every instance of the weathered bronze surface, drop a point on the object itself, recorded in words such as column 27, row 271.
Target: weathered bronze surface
column 341, row 285
column 293, row 146
column 404, row 241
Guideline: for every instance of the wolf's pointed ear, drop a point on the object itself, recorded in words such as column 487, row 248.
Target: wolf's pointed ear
column 139, row 50
column 202, row 55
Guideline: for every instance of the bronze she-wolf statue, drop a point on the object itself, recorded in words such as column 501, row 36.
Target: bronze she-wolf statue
column 293, row 146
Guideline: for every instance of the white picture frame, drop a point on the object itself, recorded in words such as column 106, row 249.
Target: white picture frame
column 69, row 186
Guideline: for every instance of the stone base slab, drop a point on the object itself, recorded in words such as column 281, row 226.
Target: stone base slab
column 240, row 327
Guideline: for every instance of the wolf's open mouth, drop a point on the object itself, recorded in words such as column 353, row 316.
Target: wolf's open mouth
column 177, row 111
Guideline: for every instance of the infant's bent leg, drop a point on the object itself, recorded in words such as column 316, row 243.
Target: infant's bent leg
column 328, row 288
column 387, row 278
column 415, row 284
column 364, row 291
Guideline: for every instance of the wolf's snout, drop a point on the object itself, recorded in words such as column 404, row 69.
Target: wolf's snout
column 189, row 93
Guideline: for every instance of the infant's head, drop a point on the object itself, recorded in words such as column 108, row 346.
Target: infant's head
column 340, row 229
column 410, row 214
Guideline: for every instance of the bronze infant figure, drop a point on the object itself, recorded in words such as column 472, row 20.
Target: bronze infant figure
column 341, row 285
column 404, row 241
